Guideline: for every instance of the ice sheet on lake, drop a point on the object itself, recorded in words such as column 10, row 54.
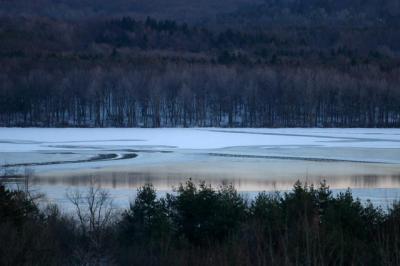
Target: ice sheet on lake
column 28, row 139
column 251, row 159
column 47, row 146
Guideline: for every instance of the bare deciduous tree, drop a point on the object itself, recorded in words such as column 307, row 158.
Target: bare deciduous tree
column 95, row 213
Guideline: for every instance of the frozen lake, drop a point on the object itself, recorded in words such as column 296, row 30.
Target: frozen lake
column 366, row 160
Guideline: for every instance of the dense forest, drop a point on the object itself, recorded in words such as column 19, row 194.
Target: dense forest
column 209, row 12
column 282, row 63
column 198, row 225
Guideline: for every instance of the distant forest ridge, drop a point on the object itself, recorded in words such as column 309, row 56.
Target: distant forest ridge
column 228, row 12
column 243, row 67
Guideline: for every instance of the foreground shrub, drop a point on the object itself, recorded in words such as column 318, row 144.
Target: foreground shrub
column 146, row 219
column 30, row 236
column 202, row 214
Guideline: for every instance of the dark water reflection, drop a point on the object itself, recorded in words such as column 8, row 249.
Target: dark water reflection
column 126, row 180
column 381, row 190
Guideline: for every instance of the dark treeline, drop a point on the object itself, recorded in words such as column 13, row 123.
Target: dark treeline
column 199, row 96
column 157, row 73
column 198, row 225
column 242, row 13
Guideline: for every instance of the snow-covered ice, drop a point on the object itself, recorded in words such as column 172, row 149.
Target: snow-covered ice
column 27, row 139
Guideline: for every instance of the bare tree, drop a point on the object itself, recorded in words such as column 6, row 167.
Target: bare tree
column 95, row 212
